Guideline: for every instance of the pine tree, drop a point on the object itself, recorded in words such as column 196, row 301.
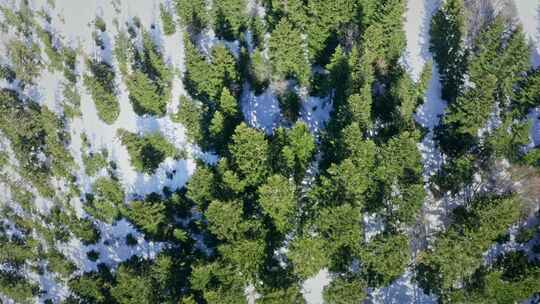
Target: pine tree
column 249, row 150
column 277, row 197
column 446, row 44
column 287, row 54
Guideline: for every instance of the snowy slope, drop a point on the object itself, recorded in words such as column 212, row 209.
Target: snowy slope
column 528, row 14
column 73, row 21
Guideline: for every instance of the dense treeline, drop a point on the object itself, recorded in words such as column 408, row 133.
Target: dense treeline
column 275, row 208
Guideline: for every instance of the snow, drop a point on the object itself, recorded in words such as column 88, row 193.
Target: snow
column 251, row 294
column 73, row 20
column 417, row 23
column 534, row 116
column 102, row 135
column 528, row 11
column 528, row 14
column 315, row 112
column 261, row 112
column 208, row 39
column 112, row 246
column 53, row 289
column 48, row 90
column 403, row 290
column 373, row 225
column 312, row 288
column 428, row 115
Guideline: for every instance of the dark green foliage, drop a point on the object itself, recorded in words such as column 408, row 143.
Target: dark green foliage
column 509, row 139
column 148, row 151
column 384, row 38
column 58, row 263
column 528, row 94
column 494, row 69
column 230, row 17
column 26, row 60
column 384, row 258
column 326, row 20
column 267, row 211
column 277, row 197
column 342, row 290
column 94, row 162
column 290, row 295
column 33, row 131
column 218, row 284
column 85, row 230
column 207, row 80
column 92, row 287
column 169, row 26
column 101, row 84
column 447, row 31
column 259, row 71
column 250, row 154
column 532, row 158
column 457, row 252
column 150, row 82
column 132, row 286
column 349, row 181
column 200, row 188
column 107, row 200
column 149, row 216
column 191, row 114
column 341, row 228
column 455, row 174
column 293, row 150
column 512, row 279
column 193, row 14
column 287, row 56
column 225, row 220
column 289, row 104
column 400, row 173
column 308, row 255
column 17, row 287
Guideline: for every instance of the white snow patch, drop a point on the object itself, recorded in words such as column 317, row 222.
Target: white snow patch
column 112, row 246
column 528, row 13
column 373, row 225
column 53, row 288
column 403, row 290
column 428, row 115
column 417, row 23
column 312, row 288
column 534, row 134
column 315, row 112
column 48, row 91
column 261, row 112
column 251, row 294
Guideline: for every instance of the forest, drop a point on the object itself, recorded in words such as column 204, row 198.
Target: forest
column 269, row 151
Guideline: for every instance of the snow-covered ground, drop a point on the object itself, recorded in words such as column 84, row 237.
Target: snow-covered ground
column 312, row 288
column 74, row 23
column 402, row 291
column 112, row 246
column 261, row 112
column 417, row 23
column 529, row 16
